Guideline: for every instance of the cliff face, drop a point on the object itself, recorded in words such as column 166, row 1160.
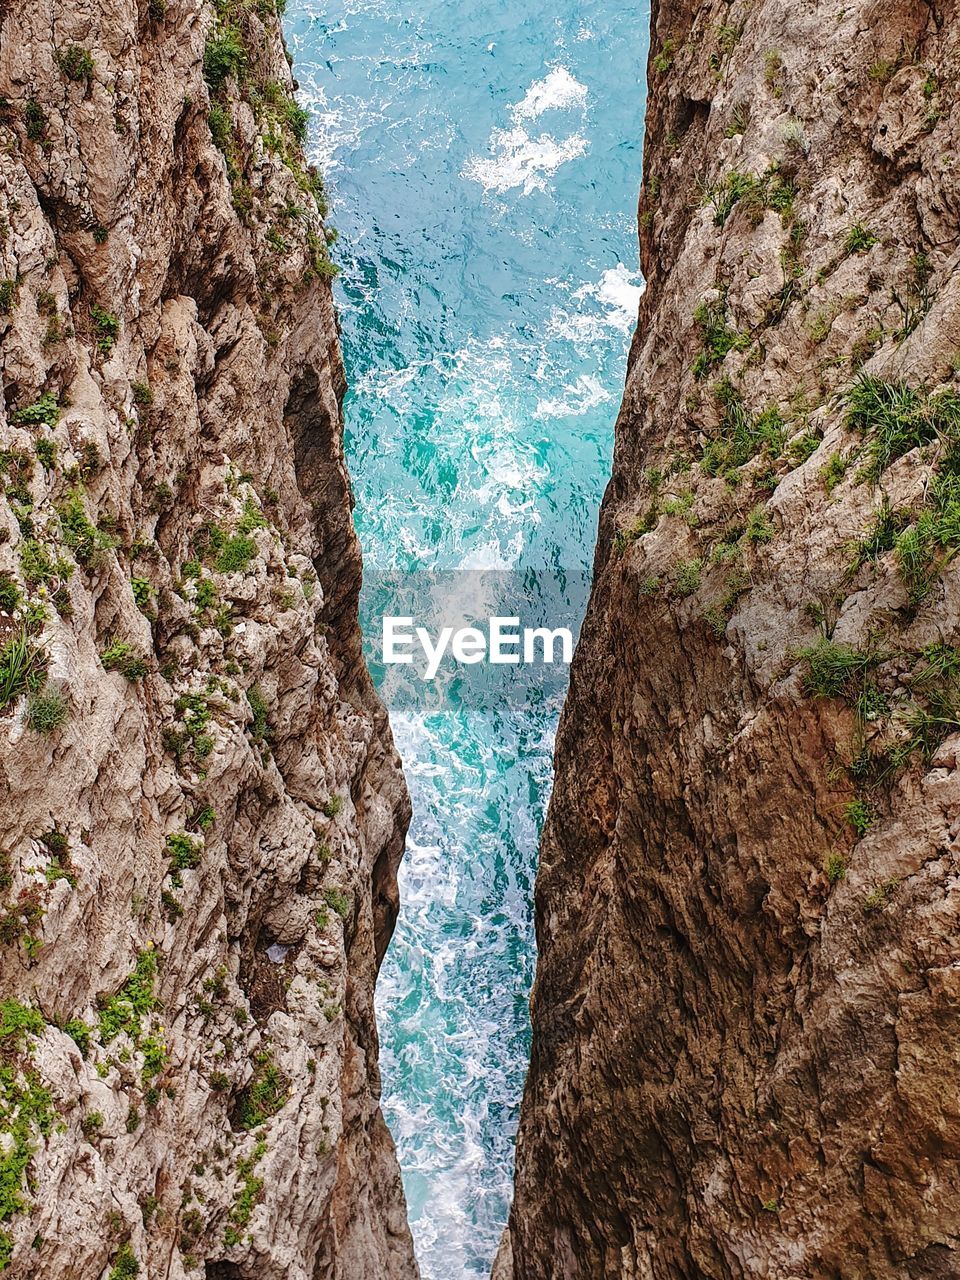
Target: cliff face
column 201, row 810
column 745, row 1050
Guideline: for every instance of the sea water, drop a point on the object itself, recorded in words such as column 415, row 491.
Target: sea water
column 482, row 163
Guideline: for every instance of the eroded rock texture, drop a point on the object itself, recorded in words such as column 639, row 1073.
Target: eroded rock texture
column 201, row 811
column 746, row 1011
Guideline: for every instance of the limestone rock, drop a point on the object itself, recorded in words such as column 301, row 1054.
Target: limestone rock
column 201, row 809
column 744, row 1018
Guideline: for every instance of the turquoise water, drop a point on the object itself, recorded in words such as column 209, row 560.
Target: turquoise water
column 483, row 164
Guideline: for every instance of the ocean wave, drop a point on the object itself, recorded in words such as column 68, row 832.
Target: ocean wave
column 517, row 160
column 557, row 91
column 585, row 394
column 619, row 292
column 611, row 302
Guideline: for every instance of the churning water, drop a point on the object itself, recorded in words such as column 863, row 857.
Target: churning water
column 482, row 162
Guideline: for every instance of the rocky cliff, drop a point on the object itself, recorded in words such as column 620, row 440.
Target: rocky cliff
column 201, row 811
column 745, row 1044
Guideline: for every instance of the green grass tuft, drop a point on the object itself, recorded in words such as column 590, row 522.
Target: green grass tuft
column 47, row 712
column 717, row 337
column 896, row 418
column 835, row 670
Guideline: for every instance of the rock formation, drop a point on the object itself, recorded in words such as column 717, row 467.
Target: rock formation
column 745, row 1046
column 201, row 810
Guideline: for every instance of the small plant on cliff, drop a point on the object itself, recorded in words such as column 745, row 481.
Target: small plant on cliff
column 688, row 577
column 835, row 670
column 860, row 814
column 739, row 120
column 258, row 705
column 75, row 62
column 663, row 60
column 754, row 193
column 21, row 668
column 195, row 713
column 726, row 193
column 717, row 336
column 91, row 1124
column 882, row 71
column 924, row 539
column 106, row 328
column 332, row 807
column 835, row 867
column 224, row 56
column 877, row 896
column 250, row 1191
column 79, row 1033
column 773, row 72
column 26, row 1108
column 339, row 901
column 235, row 554
column 859, row 239
column 184, row 852
column 142, row 594
column 915, row 298
column 204, row 819
column 252, row 518
column 40, row 567
column 228, row 553
column 879, row 536
column 935, row 712
column 741, row 435
column 803, row 446
column 46, row 451
column 47, row 712
column 44, row 412
column 820, row 326
column 35, row 121
column 8, row 296
column 86, row 541
column 896, row 418
column 221, row 127
column 142, row 395
column 125, row 1264
column 16, row 1021
column 759, row 528
column 121, row 656
column 833, row 471
column 125, row 1011
column 10, row 594
column 264, row 1095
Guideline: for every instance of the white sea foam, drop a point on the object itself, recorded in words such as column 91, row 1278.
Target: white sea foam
column 335, row 130
column 555, row 92
column 579, row 398
column 620, row 291
column 609, row 303
column 517, row 159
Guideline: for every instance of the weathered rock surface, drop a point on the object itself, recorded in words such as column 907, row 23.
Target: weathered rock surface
column 745, row 1044
column 201, row 810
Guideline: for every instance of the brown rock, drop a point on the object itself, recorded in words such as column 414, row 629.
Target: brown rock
column 745, row 1050
column 198, row 856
